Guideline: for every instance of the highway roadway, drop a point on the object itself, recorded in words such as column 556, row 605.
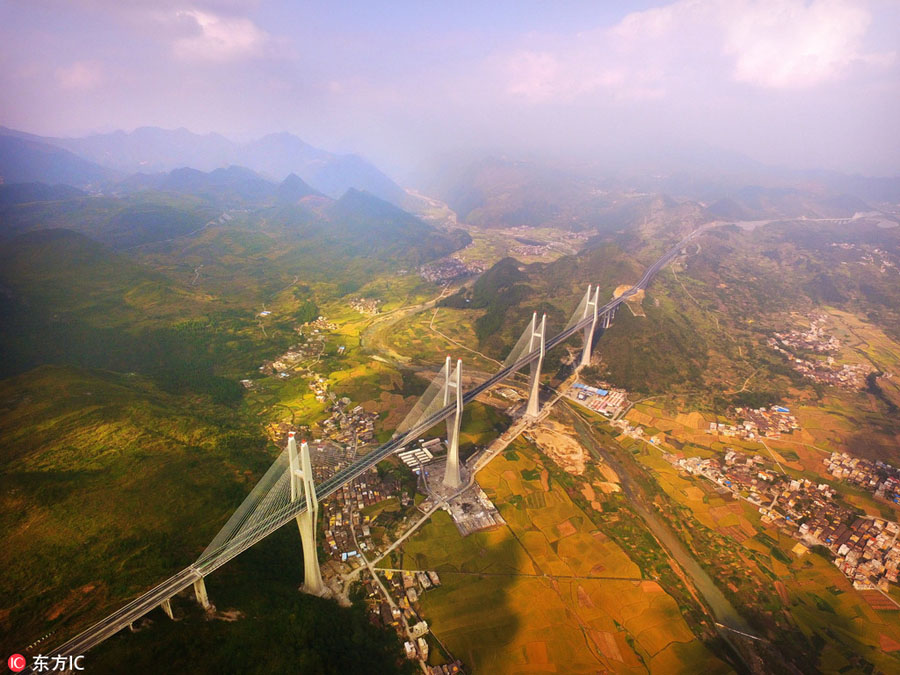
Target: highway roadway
column 212, row 560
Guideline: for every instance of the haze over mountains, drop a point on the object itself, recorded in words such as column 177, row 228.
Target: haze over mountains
column 149, row 150
column 504, row 191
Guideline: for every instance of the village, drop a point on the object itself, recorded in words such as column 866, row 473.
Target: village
column 362, row 518
column 299, row 359
column 358, row 523
column 879, row 478
column 393, row 598
column 816, row 340
column 347, row 519
column 449, row 269
column 864, row 548
column 755, row 423
column 366, row 306
column 874, row 256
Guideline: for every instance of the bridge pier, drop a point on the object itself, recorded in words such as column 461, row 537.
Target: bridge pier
column 167, row 608
column 536, row 342
column 452, row 478
column 200, row 593
column 590, row 309
column 302, row 482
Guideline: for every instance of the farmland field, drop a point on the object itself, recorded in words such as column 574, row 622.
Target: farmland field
column 549, row 592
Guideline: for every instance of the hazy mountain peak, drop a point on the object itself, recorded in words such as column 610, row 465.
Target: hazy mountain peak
column 293, row 188
column 276, row 155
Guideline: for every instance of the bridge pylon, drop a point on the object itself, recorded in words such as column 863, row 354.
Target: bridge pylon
column 200, row 593
column 453, row 381
column 303, row 484
column 591, row 304
column 536, row 342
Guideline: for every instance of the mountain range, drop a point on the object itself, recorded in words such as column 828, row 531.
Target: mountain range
column 103, row 159
column 500, row 191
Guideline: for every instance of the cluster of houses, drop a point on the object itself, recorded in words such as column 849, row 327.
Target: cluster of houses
column 864, row 548
column 827, row 371
column 757, row 422
column 316, row 326
column 400, row 612
column 449, row 269
column 815, row 339
column 347, row 529
column 350, row 533
column 877, row 256
column 525, row 250
column 879, row 478
column 312, row 347
column 366, row 306
column 867, row 553
column 405, row 589
column 288, row 364
column 353, row 426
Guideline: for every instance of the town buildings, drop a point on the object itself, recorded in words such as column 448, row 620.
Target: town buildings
column 864, row 548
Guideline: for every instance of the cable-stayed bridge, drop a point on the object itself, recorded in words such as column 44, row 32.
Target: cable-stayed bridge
column 287, row 491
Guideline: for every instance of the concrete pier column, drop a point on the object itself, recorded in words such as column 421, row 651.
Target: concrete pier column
column 167, row 608
column 590, row 310
column 200, row 593
column 303, row 485
column 537, row 342
column 452, row 477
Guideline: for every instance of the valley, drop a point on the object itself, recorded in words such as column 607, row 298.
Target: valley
column 162, row 343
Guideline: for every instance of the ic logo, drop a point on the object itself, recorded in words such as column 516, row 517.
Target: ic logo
column 16, row 663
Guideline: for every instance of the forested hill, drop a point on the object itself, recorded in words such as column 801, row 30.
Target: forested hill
column 506, row 294
column 707, row 315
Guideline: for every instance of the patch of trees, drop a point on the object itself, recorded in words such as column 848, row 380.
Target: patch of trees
column 308, row 311
column 750, row 399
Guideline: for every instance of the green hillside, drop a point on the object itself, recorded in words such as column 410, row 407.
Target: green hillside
column 708, row 314
column 108, row 484
column 117, row 221
column 70, row 300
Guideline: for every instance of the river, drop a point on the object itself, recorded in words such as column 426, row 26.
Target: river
column 723, row 611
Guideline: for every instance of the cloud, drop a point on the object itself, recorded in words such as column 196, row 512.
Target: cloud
column 80, row 76
column 215, row 38
column 792, row 44
column 534, row 75
column 214, row 31
column 769, row 44
column 133, row 6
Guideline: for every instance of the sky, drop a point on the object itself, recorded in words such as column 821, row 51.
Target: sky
column 795, row 83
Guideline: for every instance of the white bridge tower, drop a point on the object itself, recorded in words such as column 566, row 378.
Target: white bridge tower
column 590, row 310
column 452, row 478
column 536, row 342
column 302, row 483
